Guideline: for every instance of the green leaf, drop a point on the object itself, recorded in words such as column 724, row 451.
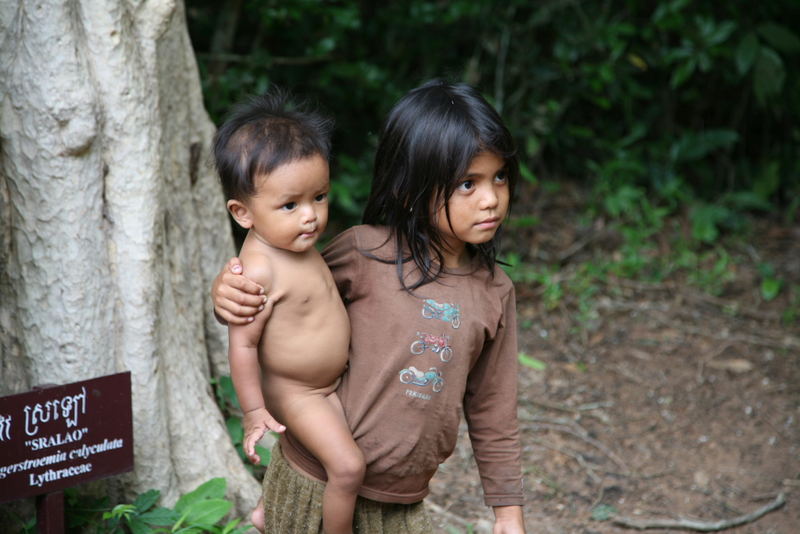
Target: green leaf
column 207, row 512
column 120, row 510
column 624, row 199
column 780, row 37
column 705, row 221
column 213, row 489
column 227, row 391
column 524, row 221
column 138, row 526
column 697, row 145
column 603, row 512
column 746, row 53
column 264, row 453
column 230, row 526
column 533, row 363
column 527, row 174
column 747, row 200
column 638, row 131
column 720, row 33
column 770, row 288
column 682, row 73
column 235, row 429
column 160, row 517
column 146, row 500
column 769, row 74
column 768, row 180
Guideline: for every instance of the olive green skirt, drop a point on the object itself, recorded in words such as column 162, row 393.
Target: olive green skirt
column 293, row 505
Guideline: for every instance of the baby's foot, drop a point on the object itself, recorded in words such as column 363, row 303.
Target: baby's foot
column 257, row 516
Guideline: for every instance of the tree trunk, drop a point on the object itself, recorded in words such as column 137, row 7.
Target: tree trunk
column 112, row 225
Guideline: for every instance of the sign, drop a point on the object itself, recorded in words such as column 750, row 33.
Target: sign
column 57, row 437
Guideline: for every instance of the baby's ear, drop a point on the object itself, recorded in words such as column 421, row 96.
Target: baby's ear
column 240, row 212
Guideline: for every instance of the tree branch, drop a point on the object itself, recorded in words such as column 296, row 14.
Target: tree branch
column 701, row 526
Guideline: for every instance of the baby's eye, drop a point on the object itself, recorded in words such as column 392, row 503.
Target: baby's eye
column 289, row 206
column 321, row 197
column 466, row 185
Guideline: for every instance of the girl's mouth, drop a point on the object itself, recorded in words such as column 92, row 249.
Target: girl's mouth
column 486, row 224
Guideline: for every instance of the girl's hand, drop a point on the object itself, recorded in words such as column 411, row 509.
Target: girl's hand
column 508, row 520
column 236, row 298
column 256, row 423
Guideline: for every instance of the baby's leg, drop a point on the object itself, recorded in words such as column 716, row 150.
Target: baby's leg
column 318, row 422
column 257, row 515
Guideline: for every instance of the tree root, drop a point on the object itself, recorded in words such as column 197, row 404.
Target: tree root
column 700, row 526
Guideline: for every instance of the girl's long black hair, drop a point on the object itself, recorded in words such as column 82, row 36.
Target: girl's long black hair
column 427, row 143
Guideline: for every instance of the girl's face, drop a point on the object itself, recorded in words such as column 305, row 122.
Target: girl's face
column 477, row 207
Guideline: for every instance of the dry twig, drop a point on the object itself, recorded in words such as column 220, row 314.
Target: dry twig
column 701, row 526
column 584, row 436
column 590, row 468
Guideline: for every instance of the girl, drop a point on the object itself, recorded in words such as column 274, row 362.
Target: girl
column 433, row 327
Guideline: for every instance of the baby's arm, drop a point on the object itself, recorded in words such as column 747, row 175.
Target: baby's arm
column 236, row 298
column 243, row 340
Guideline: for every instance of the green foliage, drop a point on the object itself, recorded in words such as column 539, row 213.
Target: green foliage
column 199, row 511
column 530, row 361
column 603, row 512
column 666, row 111
column 770, row 284
column 680, row 104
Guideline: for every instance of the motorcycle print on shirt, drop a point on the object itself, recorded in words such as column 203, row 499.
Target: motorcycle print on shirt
column 438, row 344
column 432, row 376
column 449, row 313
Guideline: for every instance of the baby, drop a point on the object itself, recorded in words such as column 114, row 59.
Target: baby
column 272, row 160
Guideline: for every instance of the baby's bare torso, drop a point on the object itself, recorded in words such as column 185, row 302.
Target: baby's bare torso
column 304, row 347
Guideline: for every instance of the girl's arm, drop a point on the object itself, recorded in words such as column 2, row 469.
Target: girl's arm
column 236, row 298
column 490, row 408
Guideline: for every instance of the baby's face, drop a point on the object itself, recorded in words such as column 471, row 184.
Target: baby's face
column 290, row 208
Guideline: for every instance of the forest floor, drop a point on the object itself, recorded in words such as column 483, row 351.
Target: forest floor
column 669, row 405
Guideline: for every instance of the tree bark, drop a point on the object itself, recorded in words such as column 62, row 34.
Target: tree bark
column 112, row 225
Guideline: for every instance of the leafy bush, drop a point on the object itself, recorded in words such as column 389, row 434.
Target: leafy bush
column 686, row 104
column 199, row 511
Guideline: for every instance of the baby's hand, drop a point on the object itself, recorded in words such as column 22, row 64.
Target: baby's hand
column 256, row 423
column 236, row 298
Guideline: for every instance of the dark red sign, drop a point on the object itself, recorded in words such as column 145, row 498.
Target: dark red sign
column 57, row 437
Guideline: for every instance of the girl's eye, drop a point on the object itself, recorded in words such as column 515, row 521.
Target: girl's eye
column 501, row 178
column 321, row 197
column 466, row 185
column 289, row 206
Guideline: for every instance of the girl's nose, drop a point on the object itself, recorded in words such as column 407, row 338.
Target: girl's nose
column 489, row 199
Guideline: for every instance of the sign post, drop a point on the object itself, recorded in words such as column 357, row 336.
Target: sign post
column 57, row 437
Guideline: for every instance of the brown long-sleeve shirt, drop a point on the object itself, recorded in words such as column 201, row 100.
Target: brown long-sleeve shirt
column 415, row 362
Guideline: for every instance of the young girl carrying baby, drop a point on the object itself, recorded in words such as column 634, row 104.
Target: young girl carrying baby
column 433, row 323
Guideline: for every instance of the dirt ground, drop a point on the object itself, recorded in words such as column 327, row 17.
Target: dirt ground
column 671, row 405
